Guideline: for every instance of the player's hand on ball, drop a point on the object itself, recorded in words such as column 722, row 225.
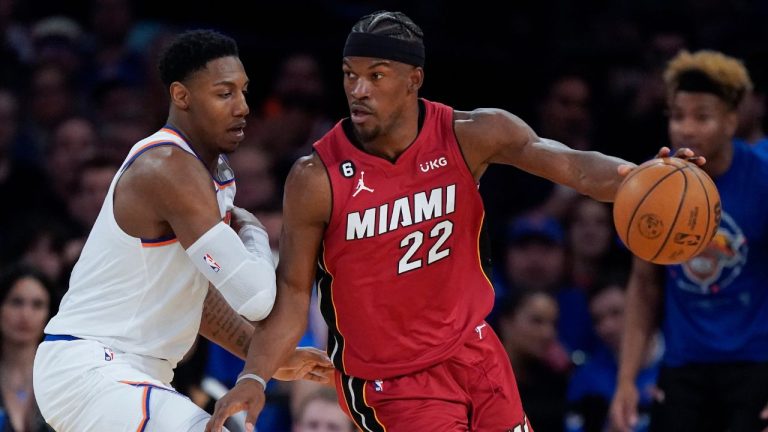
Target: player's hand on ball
column 306, row 363
column 247, row 395
column 683, row 153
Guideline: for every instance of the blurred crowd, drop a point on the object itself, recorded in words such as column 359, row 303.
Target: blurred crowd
column 77, row 92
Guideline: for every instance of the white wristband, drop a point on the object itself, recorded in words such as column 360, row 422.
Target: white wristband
column 254, row 377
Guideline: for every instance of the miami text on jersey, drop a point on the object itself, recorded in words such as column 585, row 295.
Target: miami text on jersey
column 403, row 212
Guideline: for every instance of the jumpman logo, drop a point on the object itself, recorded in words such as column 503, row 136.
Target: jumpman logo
column 361, row 185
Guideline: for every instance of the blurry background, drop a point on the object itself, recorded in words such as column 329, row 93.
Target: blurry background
column 78, row 87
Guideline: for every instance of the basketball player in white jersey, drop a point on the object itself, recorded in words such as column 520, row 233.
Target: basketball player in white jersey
column 140, row 292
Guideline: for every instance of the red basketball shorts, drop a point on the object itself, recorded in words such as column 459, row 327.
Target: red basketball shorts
column 475, row 390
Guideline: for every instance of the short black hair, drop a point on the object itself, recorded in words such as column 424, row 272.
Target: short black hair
column 395, row 25
column 191, row 51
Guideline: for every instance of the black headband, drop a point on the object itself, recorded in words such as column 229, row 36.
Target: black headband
column 384, row 47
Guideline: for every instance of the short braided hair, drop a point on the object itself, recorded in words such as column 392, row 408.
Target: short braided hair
column 395, row 25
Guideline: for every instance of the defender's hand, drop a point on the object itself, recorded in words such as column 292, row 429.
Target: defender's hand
column 306, row 363
column 242, row 217
column 247, row 395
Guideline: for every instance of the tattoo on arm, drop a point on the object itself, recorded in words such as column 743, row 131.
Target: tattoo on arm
column 223, row 325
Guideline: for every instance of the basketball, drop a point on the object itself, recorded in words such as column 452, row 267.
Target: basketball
column 667, row 210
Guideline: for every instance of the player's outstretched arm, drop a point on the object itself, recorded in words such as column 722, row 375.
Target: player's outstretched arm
column 306, row 211
column 491, row 136
column 641, row 319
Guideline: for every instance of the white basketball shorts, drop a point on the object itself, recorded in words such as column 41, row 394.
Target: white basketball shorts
column 83, row 385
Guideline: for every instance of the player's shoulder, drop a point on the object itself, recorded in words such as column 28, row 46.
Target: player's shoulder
column 308, row 166
column 483, row 120
column 308, row 172
column 489, row 127
column 166, row 164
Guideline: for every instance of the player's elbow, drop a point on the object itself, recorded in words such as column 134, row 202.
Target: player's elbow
column 259, row 306
column 261, row 303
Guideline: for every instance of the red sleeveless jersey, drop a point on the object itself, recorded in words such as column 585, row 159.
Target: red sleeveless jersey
column 401, row 278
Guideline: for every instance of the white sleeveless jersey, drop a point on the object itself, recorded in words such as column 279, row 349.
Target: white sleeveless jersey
column 141, row 296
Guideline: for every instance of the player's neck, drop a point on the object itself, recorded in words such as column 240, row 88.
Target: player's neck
column 721, row 162
column 206, row 154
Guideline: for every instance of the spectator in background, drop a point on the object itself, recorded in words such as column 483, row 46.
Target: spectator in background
column 95, row 177
column 293, row 115
column 751, row 121
column 527, row 325
column 592, row 246
column 593, row 384
column 563, row 114
column 27, row 301
column 635, row 106
column 23, row 185
column 57, row 41
column 119, row 107
column 711, row 308
column 110, row 57
column 535, row 260
column 256, row 184
column 15, row 47
column 74, row 142
column 51, row 101
column 320, row 412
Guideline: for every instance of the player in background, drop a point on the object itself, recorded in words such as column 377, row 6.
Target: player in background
column 140, row 293
column 401, row 276
column 715, row 368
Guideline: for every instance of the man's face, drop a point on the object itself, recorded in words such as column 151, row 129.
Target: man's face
column 217, row 103
column 377, row 93
column 535, row 264
column 607, row 310
column 323, row 416
column 701, row 122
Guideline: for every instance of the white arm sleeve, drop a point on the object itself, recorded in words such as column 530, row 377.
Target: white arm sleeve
column 246, row 278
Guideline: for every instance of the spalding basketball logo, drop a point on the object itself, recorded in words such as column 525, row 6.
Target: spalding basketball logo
column 650, row 226
column 211, row 263
column 719, row 264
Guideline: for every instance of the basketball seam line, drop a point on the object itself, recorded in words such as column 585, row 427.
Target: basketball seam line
column 709, row 211
column 640, row 203
column 677, row 214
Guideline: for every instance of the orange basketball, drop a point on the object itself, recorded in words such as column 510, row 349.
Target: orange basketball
column 667, row 210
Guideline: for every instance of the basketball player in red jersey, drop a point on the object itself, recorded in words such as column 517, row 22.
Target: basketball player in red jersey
column 388, row 206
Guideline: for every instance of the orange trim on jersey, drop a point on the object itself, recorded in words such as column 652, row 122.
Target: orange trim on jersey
column 151, row 143
column 335, row 312
column 173, row 132
column 222, row 187
column 479, row 258
column 144, row 413
column 158, row 244
column 340, row 390
column 365, row 401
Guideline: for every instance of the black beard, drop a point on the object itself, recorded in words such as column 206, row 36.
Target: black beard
column 367, row 136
